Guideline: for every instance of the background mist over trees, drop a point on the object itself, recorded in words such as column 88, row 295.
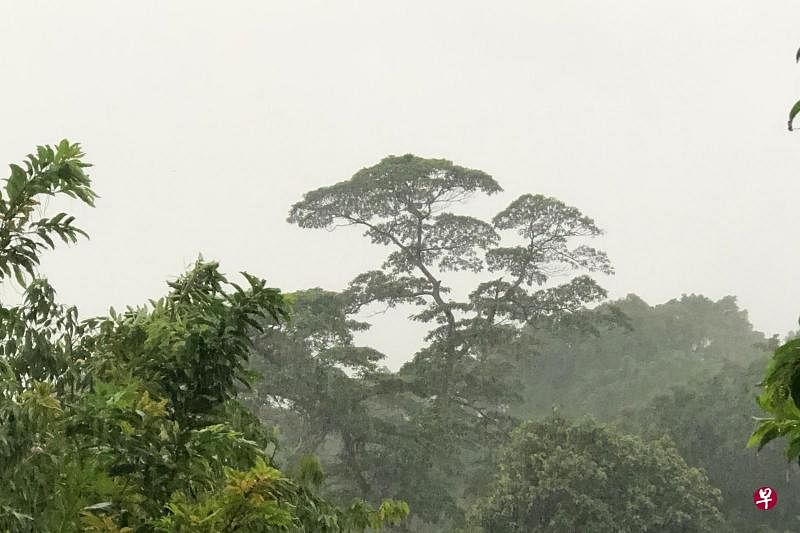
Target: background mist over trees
column 229, row 406
column 568, row 326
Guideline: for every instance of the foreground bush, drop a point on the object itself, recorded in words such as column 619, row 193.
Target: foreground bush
column 130, row 423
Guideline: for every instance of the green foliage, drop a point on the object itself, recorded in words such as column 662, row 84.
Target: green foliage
column 261, row 499
column 52, row 171
column 793, row 113
column 685, row 369
column 781, row 391
column 329, row 396
column 130, row 423
column 610, row 369
column 398, row 188
column 311, row 472
column 796, row 107
column 195, row 343
column 554, row 476
column 705, row 420
column 167, row 417
column 255, row 500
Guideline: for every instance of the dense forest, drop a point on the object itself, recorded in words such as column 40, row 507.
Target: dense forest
column 535, row 404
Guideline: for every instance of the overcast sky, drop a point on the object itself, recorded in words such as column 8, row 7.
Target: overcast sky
column 664, row 121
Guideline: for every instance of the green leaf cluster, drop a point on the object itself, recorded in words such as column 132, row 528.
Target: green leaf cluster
column 555, row 476
column 51, row 171
column 132, row 422
column 779, row 398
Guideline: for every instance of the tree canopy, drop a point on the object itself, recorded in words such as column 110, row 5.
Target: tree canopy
column 456, row 389
column 229, row 405
column 707, row 420
column 130, row 422
column 609, row 369
column 555, row 476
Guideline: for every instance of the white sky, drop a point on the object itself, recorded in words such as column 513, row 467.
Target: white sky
column 666, row 122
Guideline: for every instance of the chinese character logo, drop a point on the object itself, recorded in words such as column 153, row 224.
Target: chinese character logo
column 765, row 498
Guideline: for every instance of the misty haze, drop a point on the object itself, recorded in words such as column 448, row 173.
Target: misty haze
column 419, row 267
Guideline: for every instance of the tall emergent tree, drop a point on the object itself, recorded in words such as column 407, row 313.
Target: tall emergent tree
column 455, row 390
